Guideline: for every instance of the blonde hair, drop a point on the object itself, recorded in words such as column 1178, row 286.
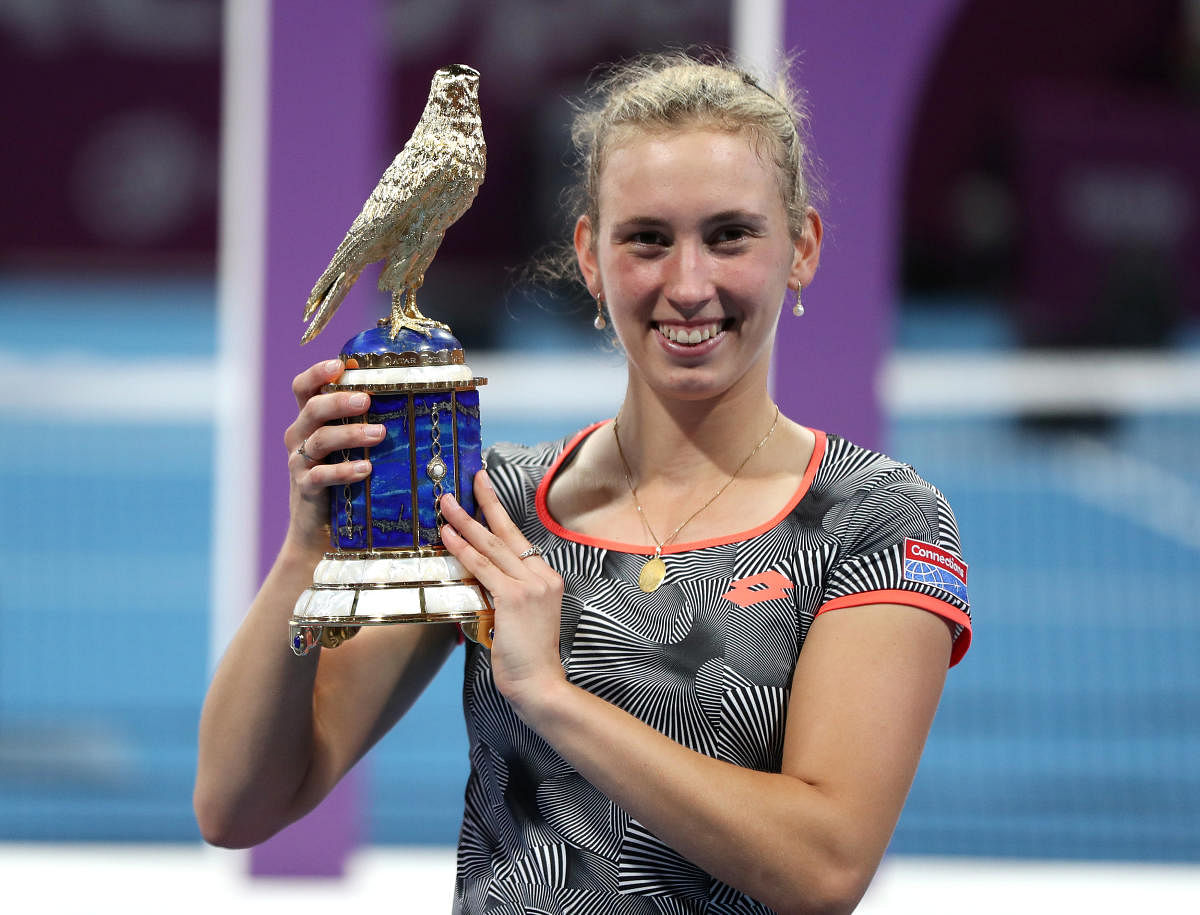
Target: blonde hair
column 678, row 90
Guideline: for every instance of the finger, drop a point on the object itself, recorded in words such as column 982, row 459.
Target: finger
column 308, row 382
column 486, row 572
column 336, row 437
column 320, row 477
column 321, row 409
column 504, row 556
column 496, row 516
column 486, row 543
column 506, row 589
column 502, row 525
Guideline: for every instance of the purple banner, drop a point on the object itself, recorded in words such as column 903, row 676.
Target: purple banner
column 862, row 65
column 324, row 156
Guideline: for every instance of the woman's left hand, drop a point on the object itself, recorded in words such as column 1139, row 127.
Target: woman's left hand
column 527, row 594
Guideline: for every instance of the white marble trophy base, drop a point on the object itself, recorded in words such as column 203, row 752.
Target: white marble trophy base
column 382, row 588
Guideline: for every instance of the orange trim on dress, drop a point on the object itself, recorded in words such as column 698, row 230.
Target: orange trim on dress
column 910, row 599
column 543, row 510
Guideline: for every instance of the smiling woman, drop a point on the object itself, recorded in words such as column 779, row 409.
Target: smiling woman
column 692, row 251
column 671, row 717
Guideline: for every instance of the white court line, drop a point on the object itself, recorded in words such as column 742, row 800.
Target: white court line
column 52, row 879
column 954, row 886
column 1061, row 382
column 583, row 384
column 1138, row 491
column 85, row 387
column 106, row 389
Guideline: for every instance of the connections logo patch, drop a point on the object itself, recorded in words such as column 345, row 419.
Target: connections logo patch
column 931, row 565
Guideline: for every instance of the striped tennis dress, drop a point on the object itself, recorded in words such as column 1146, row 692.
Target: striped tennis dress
column 707, row 659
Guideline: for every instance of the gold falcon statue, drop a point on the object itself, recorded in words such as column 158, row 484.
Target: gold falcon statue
column 428, row 186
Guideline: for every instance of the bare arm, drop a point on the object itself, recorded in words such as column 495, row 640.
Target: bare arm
column 807, row 839
column 277, row 731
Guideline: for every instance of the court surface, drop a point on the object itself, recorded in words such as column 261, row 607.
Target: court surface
column 1071, row 731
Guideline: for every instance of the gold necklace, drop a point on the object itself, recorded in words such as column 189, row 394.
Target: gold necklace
column 654, row 572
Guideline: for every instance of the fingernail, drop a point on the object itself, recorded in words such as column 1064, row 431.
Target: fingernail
column 447, row 528
column 486, row 479
column 376, row 431
column 362, row 466
column 450, row 497
column 357, row 401
column 332, row 366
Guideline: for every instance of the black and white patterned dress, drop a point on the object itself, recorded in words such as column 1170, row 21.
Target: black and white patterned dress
column 707, row 659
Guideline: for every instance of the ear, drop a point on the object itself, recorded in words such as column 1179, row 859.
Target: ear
column 585, row 254
column 807, row 251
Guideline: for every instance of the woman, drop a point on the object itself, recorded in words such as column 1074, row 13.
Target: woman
column 646, row 734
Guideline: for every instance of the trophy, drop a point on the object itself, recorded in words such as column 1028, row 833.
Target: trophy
column 387, row 563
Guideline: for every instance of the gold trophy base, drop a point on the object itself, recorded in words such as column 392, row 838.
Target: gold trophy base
column 332, row 631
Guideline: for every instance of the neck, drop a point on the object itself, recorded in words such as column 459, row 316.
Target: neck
column 679, row 442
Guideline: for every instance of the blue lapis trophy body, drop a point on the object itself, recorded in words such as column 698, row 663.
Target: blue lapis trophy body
column 386, row 562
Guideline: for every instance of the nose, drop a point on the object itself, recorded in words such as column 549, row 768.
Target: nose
column 689, row 283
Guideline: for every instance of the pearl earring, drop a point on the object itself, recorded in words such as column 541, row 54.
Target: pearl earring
column 599, row 323
column 798, row 309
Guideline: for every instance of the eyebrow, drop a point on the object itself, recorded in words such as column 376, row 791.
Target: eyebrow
column 638, row 221
column 752, row 218
column 739, row 216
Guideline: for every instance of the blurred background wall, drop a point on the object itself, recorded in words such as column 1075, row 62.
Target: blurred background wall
column 1044, row 373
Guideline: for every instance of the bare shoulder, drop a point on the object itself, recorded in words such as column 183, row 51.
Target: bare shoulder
column 587, row 485
column 794, row 451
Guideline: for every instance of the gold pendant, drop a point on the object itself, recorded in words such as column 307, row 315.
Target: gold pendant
column 652, row 574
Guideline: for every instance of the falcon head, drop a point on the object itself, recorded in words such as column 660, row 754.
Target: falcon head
column 457, row 84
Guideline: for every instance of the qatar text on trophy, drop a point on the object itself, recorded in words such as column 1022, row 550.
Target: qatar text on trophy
column 387, row 563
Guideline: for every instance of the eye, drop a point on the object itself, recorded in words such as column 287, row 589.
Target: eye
column 646, row 243
column 648, row 238
column 730, row 235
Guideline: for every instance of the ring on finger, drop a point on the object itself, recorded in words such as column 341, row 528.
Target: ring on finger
column 304, row 454
column 532, row 551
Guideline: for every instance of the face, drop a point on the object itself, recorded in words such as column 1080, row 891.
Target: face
column 692, row 255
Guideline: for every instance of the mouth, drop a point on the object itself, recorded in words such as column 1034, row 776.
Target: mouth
column 688, row 335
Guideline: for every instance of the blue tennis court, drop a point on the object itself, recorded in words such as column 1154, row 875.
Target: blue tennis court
column 1071, row 729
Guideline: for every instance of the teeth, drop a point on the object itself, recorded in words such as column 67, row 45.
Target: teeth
column 690, row 337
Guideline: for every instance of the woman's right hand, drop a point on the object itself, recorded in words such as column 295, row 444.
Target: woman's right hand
column 310, row 476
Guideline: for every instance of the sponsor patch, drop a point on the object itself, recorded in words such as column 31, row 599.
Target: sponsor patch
column 931, row 565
